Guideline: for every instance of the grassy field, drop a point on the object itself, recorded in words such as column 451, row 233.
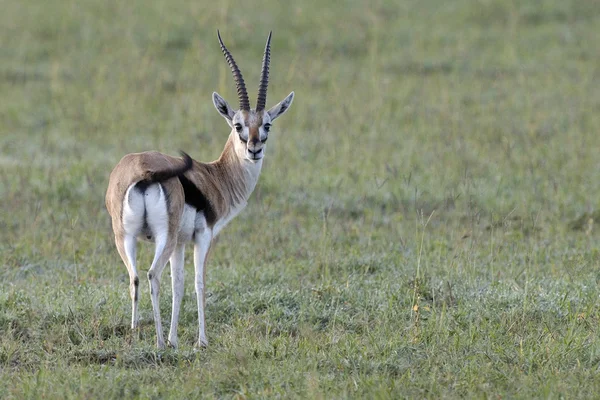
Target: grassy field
column 425, row 225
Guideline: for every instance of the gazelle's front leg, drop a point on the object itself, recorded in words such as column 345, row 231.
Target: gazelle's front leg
column 177, row 272
column 201, row 247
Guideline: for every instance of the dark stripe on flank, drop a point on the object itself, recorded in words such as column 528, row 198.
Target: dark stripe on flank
column 195, row 198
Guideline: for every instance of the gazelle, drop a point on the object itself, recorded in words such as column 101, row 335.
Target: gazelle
column 171, row 201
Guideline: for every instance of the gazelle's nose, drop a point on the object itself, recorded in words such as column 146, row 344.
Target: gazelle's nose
column 254, row 152
column 254, row 145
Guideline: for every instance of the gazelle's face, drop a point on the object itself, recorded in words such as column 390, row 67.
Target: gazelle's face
column 252, row 131
column 251, row 127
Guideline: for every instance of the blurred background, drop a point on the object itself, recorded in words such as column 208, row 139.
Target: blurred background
column 437, row 154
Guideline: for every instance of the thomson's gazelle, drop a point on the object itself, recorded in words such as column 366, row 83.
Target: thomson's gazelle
column 171, row 201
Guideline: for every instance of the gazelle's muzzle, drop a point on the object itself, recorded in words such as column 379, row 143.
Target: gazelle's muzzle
column 254, row 146
column 255, row 152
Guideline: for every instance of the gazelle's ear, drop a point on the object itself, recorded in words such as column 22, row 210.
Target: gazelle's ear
column 281, row 107
column 223, row 107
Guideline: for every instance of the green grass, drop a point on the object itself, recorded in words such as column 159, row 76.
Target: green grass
column 424, row 226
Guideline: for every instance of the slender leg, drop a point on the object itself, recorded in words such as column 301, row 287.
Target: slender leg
column 164, row 249
column 201, row 247
column 126, row 245
column 177, row 272
column 157, row 218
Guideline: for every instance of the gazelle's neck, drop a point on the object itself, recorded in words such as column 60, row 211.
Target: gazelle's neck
column 242, row 174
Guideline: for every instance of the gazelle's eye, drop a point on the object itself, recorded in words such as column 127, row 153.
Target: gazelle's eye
column 267, row 127
column 238, row 127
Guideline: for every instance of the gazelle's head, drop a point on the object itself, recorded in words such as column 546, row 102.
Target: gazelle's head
column 250, row 127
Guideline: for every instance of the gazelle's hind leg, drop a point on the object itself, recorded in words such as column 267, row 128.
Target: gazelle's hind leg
column 133, row 222
column 126, row 245
column 158, row 221
column 161, row 256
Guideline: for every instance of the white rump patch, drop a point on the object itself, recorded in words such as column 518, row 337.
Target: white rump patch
column 145, row 213
column 157, row 217
column 133, row 211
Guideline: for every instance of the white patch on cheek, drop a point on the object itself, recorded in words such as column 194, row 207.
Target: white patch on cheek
column 262, row 133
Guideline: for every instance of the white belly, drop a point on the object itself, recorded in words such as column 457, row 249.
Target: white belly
column 188, row 223
column 192, row 223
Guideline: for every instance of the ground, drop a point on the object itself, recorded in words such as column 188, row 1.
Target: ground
column 425, row 225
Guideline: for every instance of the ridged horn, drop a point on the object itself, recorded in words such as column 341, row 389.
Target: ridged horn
column 237, row 76
column 264, row 77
